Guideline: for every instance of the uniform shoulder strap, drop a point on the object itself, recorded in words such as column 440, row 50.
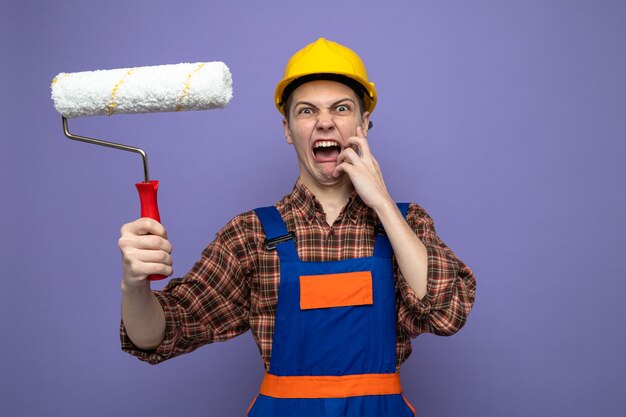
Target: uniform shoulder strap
column 404, row 208
column 382, row 247
column 276, row 234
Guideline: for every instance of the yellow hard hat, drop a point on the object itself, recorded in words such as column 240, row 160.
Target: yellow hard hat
column 324, row 59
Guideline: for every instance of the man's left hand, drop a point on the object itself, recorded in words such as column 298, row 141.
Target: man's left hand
column 363, row 170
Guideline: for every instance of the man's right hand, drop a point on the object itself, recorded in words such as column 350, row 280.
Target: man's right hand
column 145, row 251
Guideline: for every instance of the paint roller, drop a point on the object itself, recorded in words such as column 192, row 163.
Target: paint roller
column 161, row 88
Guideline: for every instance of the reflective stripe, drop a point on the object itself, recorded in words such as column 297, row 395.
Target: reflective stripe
column 409, row 404
column 336, row 290
column 254, row 400
column 330, row 386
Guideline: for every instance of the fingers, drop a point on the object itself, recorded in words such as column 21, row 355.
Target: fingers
column 145, row 250
column 154, row 256
column 344, row 167
column 136, row 272
column 357, row 151
column 144, row 226
column 141, row 263
column 348, row 155
column 146, row 242
column 144, row 233
column 360, row 142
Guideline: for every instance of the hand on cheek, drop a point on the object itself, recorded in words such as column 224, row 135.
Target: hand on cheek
column 360, row 165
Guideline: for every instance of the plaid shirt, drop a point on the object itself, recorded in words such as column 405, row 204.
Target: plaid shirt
column 234, row 286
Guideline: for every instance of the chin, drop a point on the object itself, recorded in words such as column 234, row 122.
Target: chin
column 330, row 180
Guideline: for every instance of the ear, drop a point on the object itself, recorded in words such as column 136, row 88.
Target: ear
column 366, row 122
column 287, row 131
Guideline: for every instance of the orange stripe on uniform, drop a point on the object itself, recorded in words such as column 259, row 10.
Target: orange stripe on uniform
column 409, row 404
column 336, row 290
column 251, row 404
column 330, row 386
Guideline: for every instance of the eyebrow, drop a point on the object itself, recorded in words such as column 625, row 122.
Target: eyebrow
column 336, row 103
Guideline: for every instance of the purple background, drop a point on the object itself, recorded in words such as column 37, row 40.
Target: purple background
column 506, row 120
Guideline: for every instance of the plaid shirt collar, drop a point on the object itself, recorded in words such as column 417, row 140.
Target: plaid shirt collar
column 303, row 200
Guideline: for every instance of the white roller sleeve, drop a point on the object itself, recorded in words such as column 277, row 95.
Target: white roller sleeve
column 162, row 88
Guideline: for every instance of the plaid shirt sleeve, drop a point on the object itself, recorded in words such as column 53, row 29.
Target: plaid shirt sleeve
column 209, row 304
column 451, row 286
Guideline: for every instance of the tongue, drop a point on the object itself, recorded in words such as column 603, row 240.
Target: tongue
column 326, row 154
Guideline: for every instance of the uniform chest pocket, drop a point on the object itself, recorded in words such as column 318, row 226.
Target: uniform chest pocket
column 334, row 322
column 336, row 290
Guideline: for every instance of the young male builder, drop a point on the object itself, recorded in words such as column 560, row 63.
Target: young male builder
column 333, row 280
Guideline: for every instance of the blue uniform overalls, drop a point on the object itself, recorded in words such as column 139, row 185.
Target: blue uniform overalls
column 334, row 345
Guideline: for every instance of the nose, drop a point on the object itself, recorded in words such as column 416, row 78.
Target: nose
column 325, row 120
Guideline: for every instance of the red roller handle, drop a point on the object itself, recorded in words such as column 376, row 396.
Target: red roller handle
column 150, row 208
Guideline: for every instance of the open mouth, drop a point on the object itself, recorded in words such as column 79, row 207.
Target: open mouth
column 326, row 150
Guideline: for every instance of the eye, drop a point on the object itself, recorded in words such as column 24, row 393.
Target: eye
column 305, row 110
column 342, row 108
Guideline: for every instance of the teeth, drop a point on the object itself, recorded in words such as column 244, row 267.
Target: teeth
column 326, row 144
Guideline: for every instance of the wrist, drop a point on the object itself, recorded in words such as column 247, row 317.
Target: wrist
column 385, row 207
column 138, row 288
